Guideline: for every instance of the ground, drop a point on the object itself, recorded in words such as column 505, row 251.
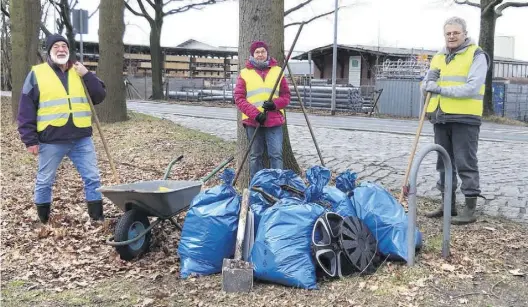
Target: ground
column 68, row 264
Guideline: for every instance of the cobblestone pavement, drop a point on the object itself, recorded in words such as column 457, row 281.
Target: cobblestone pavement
column 382, row 156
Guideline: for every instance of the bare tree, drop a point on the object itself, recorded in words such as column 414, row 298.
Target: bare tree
column 25, row 22
column 303, row 4
column 161, row 10
column 490, row 10
column 110, row 67
column 64, row 9
column 261, row 20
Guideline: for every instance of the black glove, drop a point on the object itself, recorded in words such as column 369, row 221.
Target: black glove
column 269, row 106
column 261, row 118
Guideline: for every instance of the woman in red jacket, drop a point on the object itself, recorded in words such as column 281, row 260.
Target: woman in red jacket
column 253, row 88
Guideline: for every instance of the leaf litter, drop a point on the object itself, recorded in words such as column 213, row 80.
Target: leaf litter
column 69, row 256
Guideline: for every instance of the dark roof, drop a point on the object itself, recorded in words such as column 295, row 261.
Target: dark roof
column 384, row 51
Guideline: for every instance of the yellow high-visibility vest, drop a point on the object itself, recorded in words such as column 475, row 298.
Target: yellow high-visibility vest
column 55, row 104
column 258, row 90
column 453, row 74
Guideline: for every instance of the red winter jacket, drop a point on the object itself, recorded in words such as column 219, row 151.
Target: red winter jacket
column 274, row 118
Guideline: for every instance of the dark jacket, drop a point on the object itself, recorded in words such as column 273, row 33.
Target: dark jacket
column 29, row 103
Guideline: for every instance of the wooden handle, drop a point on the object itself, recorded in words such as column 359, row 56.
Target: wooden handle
column 242, row 224
column 415, row 145
column 98, row 125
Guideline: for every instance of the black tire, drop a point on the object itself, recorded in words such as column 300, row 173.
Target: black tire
column 130, row 223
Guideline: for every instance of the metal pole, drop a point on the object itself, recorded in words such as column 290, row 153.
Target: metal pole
column 334, row 63
column 412, row 201
column 81, row 32
column 310, row 77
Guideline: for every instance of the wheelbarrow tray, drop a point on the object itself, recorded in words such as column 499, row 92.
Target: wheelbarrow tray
column 159, row 198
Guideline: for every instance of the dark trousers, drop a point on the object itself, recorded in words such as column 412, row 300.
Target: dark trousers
column 461, row 143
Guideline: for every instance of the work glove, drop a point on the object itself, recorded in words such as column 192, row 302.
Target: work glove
column 261, row 118
column 433, row 75
column 433, row 87
column 269, row 106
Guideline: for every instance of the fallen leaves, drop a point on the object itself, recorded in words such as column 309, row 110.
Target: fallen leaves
column 448, row 267
column 517, row 272
column 70, row 252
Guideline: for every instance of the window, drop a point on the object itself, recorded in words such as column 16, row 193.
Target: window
column 355, row 63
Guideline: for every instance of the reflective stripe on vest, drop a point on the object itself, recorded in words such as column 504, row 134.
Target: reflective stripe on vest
column 55, row 104
column 455, row 74
column 258, row 90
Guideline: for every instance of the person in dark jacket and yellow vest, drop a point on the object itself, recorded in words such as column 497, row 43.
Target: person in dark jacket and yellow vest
column 456, row 80
column 252, row 91
column 54, row 121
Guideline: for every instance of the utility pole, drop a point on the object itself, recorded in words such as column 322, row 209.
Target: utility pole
column 334, row 63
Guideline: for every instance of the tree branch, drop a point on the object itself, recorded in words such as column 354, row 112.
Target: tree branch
column 133, row 11
column 4, row 10
column 44, row 29
column 310, row 20
column 151, row 4
column 490, row 6
column 506, row 5
column 97, row 9
column 144, row 11
column 190, row 6
column 297, row 7
column 467, row 2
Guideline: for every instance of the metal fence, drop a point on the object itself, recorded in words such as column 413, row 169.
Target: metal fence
column 401, row 97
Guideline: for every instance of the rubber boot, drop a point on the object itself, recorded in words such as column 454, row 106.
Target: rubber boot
column 95, row 210
column 43, row 211
column 439, row 212
column 468, row 214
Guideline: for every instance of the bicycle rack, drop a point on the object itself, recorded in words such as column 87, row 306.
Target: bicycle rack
column 412, row 200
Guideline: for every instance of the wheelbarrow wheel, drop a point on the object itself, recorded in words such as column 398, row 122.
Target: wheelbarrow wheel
column 129, row 226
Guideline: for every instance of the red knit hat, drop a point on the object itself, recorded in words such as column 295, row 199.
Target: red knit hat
column 257, row 44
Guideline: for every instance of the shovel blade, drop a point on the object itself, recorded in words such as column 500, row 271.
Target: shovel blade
column 237, row 276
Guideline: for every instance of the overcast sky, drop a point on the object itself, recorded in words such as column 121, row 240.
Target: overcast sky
column 402, row 23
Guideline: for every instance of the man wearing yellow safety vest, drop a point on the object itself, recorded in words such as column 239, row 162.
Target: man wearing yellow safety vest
column 456, row 80
column 54, row 121
column 252, row 91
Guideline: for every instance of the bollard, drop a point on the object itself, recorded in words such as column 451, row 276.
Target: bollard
column 448, row 168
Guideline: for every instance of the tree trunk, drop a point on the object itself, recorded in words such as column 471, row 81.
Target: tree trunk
column 110, row 69
column 261, row 20
column 64, row 7
column 486, row 41
column 5, row 56
column 156, row 59
column 25, row 23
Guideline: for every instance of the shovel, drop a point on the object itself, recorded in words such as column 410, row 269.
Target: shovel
column 237, row 275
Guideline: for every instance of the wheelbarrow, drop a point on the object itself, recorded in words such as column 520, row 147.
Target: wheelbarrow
column 163, row 199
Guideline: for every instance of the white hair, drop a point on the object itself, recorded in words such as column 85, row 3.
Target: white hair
column 456, row 21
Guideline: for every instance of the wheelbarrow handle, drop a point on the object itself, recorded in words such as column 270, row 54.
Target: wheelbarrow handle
column 167, row 172
column 217, row 169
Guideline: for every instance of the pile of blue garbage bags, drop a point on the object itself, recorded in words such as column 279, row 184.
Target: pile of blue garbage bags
column 284, row 217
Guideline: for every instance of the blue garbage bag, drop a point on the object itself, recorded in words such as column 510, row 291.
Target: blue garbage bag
column 282, row 249
column 271, row 180
column 384, row 217
column 210, row 228
column 318, row 191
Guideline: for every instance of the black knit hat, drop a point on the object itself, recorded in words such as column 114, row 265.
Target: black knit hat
column 53, row 38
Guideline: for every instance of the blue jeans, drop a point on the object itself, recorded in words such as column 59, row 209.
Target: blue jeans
column 82, row 153
column 266, row 137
